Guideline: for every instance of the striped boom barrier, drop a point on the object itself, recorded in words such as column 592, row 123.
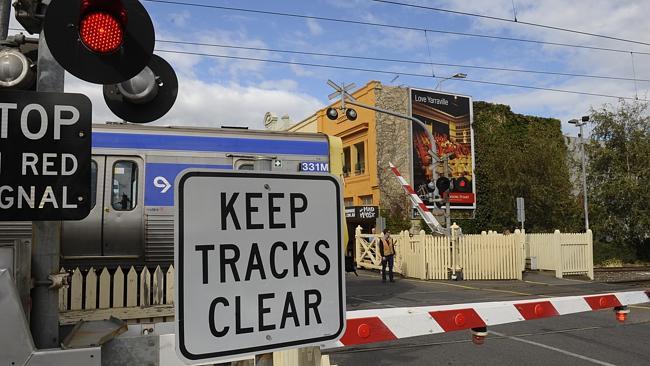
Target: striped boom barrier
column 417, row 202
column 381, row 325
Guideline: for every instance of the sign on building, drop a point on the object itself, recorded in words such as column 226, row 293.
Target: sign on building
column 450, row 119
column 259, row 260
column 362, row 213
column 45, row 150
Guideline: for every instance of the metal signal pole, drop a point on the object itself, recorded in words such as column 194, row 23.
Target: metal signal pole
column 46, row 235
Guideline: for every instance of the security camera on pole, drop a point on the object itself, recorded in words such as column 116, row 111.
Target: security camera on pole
column 351, row 114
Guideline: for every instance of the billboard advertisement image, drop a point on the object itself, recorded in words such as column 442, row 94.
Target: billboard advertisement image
column 449, row 118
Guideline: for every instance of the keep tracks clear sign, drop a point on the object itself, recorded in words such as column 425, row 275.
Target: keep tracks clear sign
column 259, row 260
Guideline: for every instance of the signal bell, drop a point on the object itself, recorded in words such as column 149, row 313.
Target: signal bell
column 100, row 41
column 147, row 96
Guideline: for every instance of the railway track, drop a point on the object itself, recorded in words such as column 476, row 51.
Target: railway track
column 623, row 269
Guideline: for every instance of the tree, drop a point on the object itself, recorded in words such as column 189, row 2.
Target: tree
column 520, row 156
column 619, row 180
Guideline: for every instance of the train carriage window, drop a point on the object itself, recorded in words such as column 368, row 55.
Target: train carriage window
column 93, row 183
column 125, row 185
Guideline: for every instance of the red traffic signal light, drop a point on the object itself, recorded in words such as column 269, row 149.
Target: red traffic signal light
column 100, row 41
column 101, row 32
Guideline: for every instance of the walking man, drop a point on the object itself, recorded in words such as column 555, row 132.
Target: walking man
column 387, row 251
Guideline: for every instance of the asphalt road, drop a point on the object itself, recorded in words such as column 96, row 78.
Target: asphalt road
column 593, row 338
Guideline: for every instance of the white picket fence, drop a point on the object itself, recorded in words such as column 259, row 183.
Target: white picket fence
column 564, row 253
column 135, row 297
column 489, row 256
column 427, row 257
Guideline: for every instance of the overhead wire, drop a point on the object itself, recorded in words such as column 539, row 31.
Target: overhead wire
column 403, row 61
column 378, row 71
column 392, row 26
column 517, row 21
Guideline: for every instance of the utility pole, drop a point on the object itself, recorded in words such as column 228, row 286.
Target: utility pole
column 46, row 235
column 447, row 197
column 5, row 12
column 580, row 123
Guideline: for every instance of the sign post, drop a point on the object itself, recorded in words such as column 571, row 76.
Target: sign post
column 521, row 211
column 259, row 259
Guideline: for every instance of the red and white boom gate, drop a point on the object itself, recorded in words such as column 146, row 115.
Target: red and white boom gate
column 428, row 217
column 381, row 325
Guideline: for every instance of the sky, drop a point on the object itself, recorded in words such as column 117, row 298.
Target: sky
column 217, row 91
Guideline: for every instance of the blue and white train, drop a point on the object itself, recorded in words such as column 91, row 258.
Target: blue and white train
column 133, row 171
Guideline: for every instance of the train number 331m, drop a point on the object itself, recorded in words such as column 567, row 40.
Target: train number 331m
column 314, row 166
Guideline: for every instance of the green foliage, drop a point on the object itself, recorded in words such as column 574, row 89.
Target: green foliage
column 520, row 156
column 397, row 220
column 619, row 178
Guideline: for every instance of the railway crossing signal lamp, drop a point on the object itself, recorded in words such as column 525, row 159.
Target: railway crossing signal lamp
column 100, row 41
column 332, row 113
column 351, row 114
column 147, row 96
column 443, row 184
column 16, row 69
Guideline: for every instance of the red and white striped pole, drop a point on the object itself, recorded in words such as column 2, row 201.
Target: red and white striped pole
column 428, row 217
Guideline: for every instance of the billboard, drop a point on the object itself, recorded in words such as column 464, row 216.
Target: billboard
column 449, row 118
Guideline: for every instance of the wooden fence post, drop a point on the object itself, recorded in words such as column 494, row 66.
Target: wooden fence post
column 520, row 243
column 421, row 247
column 557, row 248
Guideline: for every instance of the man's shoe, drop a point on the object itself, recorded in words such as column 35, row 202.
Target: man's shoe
column 392, row 280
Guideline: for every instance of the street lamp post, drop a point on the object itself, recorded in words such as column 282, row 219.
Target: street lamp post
column 458, row 75
column 580, row 123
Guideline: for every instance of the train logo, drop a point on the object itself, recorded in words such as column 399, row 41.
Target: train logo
column 162, row 182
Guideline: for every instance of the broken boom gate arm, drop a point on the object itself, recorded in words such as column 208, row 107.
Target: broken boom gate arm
column 428, row 217
column 381, row 325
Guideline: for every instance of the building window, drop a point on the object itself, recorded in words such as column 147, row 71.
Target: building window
column 348, row 201
column 360, row 158
column 366, row 200
column 347, row 163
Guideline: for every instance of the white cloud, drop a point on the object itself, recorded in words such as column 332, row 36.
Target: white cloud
column 180, row 19
column 210, row 104
column 623, row 19
column 314, row 28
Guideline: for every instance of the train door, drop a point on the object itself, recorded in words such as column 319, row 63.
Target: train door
column 84, row 238
column 114, row 226
column 123, row 207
